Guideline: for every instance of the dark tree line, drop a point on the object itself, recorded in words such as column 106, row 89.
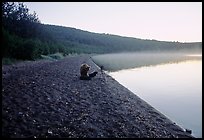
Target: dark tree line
column 23, row 37
column 18, row 25
column 16, row 18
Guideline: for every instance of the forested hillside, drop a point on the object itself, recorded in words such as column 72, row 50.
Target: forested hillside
column 25, row 37
column 106, row 43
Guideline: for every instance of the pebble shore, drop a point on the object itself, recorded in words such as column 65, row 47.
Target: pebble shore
column 46, row 99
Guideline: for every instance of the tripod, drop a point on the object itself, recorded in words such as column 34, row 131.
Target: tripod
column 102, row 73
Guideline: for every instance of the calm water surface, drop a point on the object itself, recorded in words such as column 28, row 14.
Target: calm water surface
column 175, row 89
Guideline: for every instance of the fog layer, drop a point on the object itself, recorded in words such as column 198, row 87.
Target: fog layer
column 119, row 61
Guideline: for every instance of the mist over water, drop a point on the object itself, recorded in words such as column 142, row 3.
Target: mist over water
column 119, row 61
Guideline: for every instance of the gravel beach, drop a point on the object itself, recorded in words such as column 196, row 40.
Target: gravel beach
column 46, row 99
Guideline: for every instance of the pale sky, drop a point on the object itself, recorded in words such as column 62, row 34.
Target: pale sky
column 164, row 21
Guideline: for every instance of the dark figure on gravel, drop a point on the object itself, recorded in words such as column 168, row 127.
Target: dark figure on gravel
column 84, row 72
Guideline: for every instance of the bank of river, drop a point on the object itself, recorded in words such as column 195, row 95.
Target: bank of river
column 47, row 99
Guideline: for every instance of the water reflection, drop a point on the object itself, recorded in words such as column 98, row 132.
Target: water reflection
column 175, row 89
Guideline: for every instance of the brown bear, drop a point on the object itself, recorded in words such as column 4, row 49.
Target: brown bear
column 84, row 72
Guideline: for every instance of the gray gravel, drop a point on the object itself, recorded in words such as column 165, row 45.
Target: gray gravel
column 47, row 99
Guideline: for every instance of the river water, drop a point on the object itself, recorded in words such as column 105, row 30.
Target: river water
column 175, row 89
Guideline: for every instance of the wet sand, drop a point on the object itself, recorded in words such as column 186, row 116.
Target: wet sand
column 47, row 99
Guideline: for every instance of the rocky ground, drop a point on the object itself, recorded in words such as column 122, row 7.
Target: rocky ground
column 47, row 99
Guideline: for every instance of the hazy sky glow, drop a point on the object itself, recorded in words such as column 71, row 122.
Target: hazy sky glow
column 164, row 21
